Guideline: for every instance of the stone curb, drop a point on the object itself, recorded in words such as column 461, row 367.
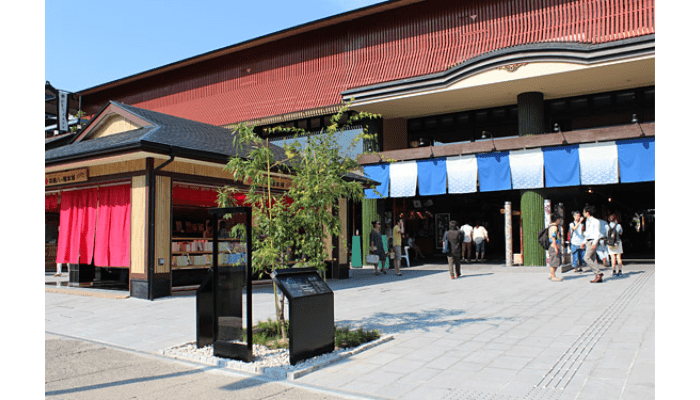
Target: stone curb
column 273, row 373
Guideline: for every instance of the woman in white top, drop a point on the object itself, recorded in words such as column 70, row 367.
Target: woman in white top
column 615, row 250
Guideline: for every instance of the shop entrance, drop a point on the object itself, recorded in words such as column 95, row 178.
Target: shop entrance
column 427, row 217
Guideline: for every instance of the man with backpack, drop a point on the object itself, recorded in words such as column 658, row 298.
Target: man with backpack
column 555, row 241
column 592, row 236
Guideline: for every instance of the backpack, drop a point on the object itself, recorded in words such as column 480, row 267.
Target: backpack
column 543, row 237
column 613, row 237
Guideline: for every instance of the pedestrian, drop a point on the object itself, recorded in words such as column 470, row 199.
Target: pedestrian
column 467, row 244
column 412, row 244
column 454, row 238
column 576, row 239
column 376, row 246
column 615, row 246
column 602, row 249
column 555, row 241
column 397, row 233
column 481, row 237
column 592, row 237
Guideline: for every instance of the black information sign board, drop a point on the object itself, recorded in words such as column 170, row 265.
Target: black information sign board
column 220, row 298
column 302, row 284
column 311, row 313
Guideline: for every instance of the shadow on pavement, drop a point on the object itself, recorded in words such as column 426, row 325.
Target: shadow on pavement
column 388, row 323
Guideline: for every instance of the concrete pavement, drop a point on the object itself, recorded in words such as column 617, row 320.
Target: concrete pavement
column 495, row 333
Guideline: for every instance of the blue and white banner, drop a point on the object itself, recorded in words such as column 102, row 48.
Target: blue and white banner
column 561, row 166
column 461, row 174
column 637, row 160
column 604, row 163
column 598, row 163
column 432, row 177
column 494, row 171
column 403, row 176
column 527, row 169
column 379, row 173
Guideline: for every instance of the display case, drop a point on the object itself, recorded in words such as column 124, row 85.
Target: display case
column 190, row 253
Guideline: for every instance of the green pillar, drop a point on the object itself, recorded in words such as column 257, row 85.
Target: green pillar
column 531, row 121
column 532, row 209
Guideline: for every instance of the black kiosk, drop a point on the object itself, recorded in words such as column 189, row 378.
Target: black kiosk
column 220, row 298
column 311, row 313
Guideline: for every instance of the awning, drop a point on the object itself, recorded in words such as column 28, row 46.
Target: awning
column 624, row 161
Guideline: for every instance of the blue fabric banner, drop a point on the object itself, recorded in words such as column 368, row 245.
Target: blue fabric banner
column 379, row 173
column 494, row 171
column 637, row 158
column 561, row 166
column 432, row 177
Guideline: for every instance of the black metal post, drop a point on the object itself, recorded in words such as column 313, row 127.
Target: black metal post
column 249, row 276
column 215, row 269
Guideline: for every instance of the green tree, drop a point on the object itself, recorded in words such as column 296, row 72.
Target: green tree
column 285, row 233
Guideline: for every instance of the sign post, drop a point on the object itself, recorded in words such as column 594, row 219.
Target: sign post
column 311, row 313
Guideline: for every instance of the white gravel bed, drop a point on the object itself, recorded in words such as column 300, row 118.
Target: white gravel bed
column 273, row 363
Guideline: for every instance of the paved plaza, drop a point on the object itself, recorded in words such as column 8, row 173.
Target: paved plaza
column 496, row 333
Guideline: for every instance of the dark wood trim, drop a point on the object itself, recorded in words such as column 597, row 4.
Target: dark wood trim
column 611, row 133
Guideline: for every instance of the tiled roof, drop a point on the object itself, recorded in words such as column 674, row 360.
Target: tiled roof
column 167, row 134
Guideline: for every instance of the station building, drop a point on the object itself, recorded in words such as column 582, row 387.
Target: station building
column 486, row 106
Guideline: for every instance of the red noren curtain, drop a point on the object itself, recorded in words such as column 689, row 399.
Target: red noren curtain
column 113, row 238
column 76, row 229
column 51, row 202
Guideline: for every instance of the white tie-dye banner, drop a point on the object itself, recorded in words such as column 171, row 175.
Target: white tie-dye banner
column 461, row 174
column 598, row 163
column 527, row 169
column 403, row 177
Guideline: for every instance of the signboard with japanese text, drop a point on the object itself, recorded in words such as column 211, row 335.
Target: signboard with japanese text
column 61, row 178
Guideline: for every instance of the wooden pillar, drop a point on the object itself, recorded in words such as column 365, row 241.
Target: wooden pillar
column 509, row 234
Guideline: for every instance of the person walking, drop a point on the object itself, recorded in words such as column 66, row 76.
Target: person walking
column 396, row 239
column 376, row 246
column 615, row 248
column 554, row 252
column 577, row 240
column 467, row 243
column 481, row 237
column 592, row 238
column 454, row 238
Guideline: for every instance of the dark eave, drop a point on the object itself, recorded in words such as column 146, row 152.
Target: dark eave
column 605, row 134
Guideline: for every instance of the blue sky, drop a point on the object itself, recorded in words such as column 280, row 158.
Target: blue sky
column 88, row 43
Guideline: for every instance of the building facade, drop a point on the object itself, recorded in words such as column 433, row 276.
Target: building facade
column 482, row 103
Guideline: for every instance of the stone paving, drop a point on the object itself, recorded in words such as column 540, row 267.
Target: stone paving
column 496, row 333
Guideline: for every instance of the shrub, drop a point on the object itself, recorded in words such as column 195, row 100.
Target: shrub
column 268, row 334
column 345, row 338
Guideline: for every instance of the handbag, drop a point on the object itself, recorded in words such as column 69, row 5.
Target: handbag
column 445, row 245
column 372, row 259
